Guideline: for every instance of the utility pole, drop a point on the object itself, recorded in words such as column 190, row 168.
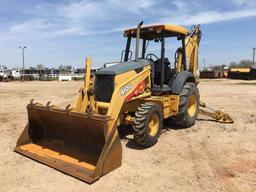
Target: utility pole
column 23, row 58
column 253, row 55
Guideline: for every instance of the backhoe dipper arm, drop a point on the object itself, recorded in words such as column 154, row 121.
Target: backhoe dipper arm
column 191, row 46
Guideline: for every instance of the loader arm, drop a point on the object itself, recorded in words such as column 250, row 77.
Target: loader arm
column 123, row 93
column 85, row 101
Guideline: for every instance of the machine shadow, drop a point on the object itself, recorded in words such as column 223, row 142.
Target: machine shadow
column 210, row 120
column 126, row 132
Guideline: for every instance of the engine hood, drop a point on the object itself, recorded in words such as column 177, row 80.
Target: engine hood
column 123, row 67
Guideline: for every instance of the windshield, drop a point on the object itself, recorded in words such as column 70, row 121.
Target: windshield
column 152, row 49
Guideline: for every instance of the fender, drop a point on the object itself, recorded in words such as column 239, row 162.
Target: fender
column 179, row 79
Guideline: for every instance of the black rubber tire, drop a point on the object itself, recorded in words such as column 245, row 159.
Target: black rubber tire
column 141, row 124
column 183, row 120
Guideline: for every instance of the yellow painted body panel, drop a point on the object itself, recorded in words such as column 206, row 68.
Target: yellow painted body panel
column 241, row 70
column 118, row 99
column 168, row 103
column 177, row 30
column 118, row 108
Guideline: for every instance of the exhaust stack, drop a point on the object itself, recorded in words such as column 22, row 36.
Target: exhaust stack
column 138, row 41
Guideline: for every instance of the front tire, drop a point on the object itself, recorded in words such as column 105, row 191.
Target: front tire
column 188, row 106
column 148, row 123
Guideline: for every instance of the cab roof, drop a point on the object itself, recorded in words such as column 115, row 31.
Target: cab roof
column 155, row 31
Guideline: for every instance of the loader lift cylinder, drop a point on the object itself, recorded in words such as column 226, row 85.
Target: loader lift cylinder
column 88, row 72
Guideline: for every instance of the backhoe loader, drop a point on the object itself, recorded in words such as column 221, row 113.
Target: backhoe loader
column 82, row 140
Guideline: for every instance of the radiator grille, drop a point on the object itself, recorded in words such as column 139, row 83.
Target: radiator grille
column 104, row 87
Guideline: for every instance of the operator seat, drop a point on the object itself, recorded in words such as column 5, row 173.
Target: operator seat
column 167, row 71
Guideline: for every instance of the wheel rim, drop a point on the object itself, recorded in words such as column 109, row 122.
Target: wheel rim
column 153, row 124
column 192, row 105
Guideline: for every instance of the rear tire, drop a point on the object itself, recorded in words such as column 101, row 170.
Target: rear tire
column 148, row 123
column 188, row 106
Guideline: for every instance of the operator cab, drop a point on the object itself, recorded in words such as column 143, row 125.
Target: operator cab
column 153, row 39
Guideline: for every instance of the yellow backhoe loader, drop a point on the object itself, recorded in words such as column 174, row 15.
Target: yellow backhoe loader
column 82, row 140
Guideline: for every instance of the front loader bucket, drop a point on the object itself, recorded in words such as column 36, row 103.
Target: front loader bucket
column 82, row 145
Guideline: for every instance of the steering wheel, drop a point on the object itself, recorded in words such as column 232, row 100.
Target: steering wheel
column 151, row 56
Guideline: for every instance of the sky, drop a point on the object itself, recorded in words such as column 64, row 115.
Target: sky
column 64, row 32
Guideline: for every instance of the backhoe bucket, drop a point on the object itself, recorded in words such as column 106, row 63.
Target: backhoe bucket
column 83, row 145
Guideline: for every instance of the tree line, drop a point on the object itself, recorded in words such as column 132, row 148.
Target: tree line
column 234, row 64
column 242, row 63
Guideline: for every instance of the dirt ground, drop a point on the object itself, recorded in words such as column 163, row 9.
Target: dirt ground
column 206, row 157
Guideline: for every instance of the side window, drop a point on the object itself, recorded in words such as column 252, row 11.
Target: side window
column 171, row 45
column 133, row 48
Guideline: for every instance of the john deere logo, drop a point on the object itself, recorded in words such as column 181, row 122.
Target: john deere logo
column 125, row 89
